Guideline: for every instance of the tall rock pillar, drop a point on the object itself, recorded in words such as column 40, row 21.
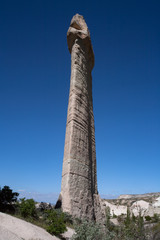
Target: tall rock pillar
column 79, row 175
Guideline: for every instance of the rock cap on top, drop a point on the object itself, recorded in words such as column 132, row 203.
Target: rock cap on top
column 78, row 29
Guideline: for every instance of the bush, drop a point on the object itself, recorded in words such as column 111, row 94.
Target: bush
column 88, row 231
column 8, row 198
column 155, row 218
column 68, row 218
column 56, row 222
column 27, row 208
column 148, row 218
column 129, row 228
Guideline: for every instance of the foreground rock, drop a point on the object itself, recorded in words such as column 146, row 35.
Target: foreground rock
column 12, row 228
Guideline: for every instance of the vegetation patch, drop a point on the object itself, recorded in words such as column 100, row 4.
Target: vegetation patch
column 129, row 227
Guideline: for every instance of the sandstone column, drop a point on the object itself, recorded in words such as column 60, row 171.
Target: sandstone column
column 79, row 175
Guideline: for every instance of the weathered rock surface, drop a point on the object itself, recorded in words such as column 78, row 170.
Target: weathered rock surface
column 12, row 228
column 79, row 176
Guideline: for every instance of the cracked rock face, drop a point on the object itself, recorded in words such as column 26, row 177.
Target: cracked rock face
column 79, row 176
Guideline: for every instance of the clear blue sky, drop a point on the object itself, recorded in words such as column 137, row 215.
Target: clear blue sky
column 34, row 89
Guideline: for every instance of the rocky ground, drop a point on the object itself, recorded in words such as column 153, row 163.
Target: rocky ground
column 148, row 204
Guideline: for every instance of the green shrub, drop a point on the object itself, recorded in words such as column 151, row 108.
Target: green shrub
column 114, row 215
column 148, row 218
column 27, row 208
column 68, row 218
column 56, row 222
column 156, row 218
column 109, row 224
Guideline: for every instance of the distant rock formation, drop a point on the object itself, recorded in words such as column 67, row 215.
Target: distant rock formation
column 43, row 206
column 145, row 195
column 147, row 204
column 79, row 195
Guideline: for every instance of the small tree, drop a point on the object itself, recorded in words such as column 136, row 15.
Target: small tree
column 8, row 198
column 108, row 217
column 56, row 222
column 27, row 208
column 128, row 219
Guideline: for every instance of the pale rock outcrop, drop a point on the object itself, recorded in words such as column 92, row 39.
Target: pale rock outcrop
column 79, row 195
column 116, row 209
column 152, row 210
column 12, row 228
column 139, row 207
column 157, row 202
